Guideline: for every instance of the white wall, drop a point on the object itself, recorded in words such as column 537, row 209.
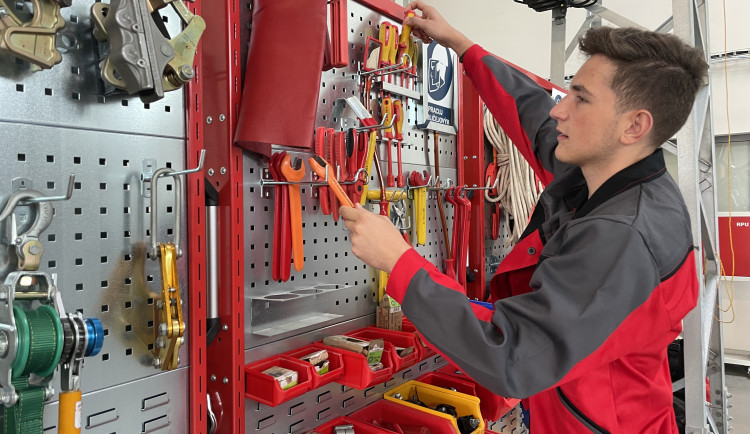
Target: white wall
column 522, row 36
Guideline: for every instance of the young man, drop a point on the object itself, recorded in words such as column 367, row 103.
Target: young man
column 588, row 300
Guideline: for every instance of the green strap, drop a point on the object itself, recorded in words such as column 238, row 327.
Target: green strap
column 26, row 416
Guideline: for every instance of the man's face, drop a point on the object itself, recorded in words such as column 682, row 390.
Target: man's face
column 586, row 118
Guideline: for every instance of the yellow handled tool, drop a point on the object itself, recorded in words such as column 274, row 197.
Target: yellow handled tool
column 368, row 165
column 69, row 416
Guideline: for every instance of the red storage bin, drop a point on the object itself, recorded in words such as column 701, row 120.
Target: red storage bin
column 357, row 373
column 395, row 338
column 448, row 381
column 335, row 364
column 386, row 414
column 359, row 427
column 266, row 390
column 407, row 326
column 493, row 406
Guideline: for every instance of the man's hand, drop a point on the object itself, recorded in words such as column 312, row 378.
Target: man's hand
column 432, row 26
column 374, row 238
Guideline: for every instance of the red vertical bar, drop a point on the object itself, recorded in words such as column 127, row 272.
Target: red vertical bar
column 223, row 169
column 196, row 250
column 471, row 172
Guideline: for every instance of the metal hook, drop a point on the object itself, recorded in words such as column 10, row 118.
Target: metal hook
column 494, row 186
column 380, row 126
column 177, row 210
column 390, row 67
column 188, row 171
column 68, row 194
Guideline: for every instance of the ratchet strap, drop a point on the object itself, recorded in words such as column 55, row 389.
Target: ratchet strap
column 26, row 416
column 40, row 345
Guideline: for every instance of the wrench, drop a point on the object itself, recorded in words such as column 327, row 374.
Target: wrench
column 295, row 173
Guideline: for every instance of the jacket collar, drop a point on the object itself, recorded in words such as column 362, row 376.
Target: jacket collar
column 648, row 169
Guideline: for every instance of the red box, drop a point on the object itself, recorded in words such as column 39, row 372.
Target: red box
column 493, row 406
column 407, row 326
column 741, row 242
column 357, row 373
column 359, row 427
column 448, row 381
column 335, row 364
column 394, row 338
column 266, row 390
column 386, row 414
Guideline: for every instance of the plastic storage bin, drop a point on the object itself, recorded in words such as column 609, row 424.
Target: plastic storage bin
column 493, row 406
column 335, row 364
column 359, row 427
column 357, row 373
column 266, row 390
column 447, row 381
column 407, row 326
column 396, row 338
column 432, row 396
column 386, row 414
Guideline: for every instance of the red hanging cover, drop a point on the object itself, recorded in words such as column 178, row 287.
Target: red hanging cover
column 282, row 77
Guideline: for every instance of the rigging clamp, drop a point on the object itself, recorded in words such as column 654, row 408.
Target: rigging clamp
column 142, row 59
column 32, row 40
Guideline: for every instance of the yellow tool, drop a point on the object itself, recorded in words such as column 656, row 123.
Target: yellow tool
column 368, row 164
column 390, row 195
column 385, row 50
column 393, row 42
column 169, row 310
column 168, row 335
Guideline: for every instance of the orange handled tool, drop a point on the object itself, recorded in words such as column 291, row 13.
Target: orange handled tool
column 295, row 174
column 69, row 413
column 320, row 166
column 331, row 154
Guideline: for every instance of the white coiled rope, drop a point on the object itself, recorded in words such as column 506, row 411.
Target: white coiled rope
column 518, row 189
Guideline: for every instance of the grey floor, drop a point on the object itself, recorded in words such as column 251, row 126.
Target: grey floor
column 738, row 384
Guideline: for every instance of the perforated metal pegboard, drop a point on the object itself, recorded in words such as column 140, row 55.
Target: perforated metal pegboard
column 328, row 260
column 335, row 292
column 56, row 122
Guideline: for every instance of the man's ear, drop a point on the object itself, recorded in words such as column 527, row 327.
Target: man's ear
column 638, row 123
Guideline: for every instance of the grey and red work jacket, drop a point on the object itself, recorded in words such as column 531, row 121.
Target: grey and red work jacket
column 586, row 302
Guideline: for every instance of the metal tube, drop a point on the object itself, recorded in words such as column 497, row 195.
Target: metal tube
column 212, row 271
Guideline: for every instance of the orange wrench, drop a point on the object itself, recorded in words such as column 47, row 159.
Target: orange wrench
column 325, row 171
column 331, row 154
column 295, row 173
column 320, row 149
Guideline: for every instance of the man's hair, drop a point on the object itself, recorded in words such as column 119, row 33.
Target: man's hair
column 653, row 71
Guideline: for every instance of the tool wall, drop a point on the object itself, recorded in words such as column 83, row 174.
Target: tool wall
column 56, row 122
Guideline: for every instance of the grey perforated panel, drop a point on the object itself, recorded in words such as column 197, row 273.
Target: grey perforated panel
column 53, row 123
column 328, row 257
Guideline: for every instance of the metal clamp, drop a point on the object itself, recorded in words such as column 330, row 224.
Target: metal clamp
column 32, row 41
column 475, row 188
column 143, row 60
column 29, row 249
